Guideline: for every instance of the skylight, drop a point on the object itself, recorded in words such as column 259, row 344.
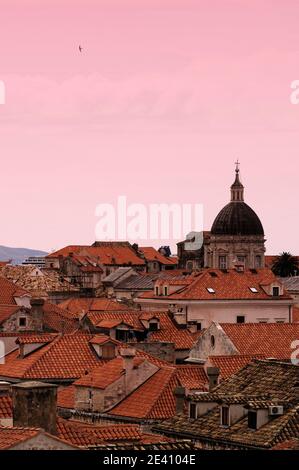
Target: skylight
column 210, row 290
column 254, row 290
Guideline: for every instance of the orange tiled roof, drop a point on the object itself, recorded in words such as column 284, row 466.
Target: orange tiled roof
column 66, row 397
column 36, row 339
column 192, row 377
column 228, row 285
column 65, row 357
column 5, row 407
column 269, row 339
column 84, row 434
column 151, row 254
column 12, row 436
column 168, row 331
column 7, row 310
column 229, row 365
column 83, row 305
column 152, row 400
column 59, row 319
column 107, row 253
column 102, row 376
column 8, row 292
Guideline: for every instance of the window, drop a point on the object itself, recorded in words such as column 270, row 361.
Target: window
column 198, row 325
column 213, row 341
column 258, row 261
column 210, row 290
column 193, row 411
column 22, row 321
column 165, row 290
column 189, row 266
column 108, row 351
column 153, row 326
column 263, row 320
column 253, row 290
column 122, row 335
column 225, row 416
column 275, row 291
column 156, row 290
column 252, row 419
column 222, row 262
column 240, row 319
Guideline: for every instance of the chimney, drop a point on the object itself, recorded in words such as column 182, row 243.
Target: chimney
column 180, row 393
column 213, row 375
column 128, row 355
column 37, row 313
column 34, row 405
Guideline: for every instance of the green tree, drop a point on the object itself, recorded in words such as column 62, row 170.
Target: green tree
column 285, row 265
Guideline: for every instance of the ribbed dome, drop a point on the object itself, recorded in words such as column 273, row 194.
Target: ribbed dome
column 237, row 218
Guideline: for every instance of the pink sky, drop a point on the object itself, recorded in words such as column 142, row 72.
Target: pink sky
column 164, row 98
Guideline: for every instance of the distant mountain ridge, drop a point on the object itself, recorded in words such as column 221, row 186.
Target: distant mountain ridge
column 18, row 255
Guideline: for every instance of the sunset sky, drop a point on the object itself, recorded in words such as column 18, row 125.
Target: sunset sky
column 163, row 99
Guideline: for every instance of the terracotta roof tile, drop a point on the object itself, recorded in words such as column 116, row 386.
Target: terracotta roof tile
column 268, row 339
column 229, row 365
column 230, row 285
column 7, row 310
column 102, row 376
column 192, row 377
column 152, row 400
column 12, row 436
column 5, row 407
column 107, row 253
column 168, row 332
column 8, row 292
column 77, row 307
column 151, row 254
column 65, row 357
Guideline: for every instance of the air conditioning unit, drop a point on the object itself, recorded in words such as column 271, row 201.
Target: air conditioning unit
column 275, row 410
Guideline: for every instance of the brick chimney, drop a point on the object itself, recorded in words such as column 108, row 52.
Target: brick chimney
column 180, row 393
column 34, row 405
column 213, row 375
column 37, row 313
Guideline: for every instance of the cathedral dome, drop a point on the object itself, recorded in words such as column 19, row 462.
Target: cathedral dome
column 237, row 218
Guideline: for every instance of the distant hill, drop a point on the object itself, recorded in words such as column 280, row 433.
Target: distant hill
column 18, row 255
